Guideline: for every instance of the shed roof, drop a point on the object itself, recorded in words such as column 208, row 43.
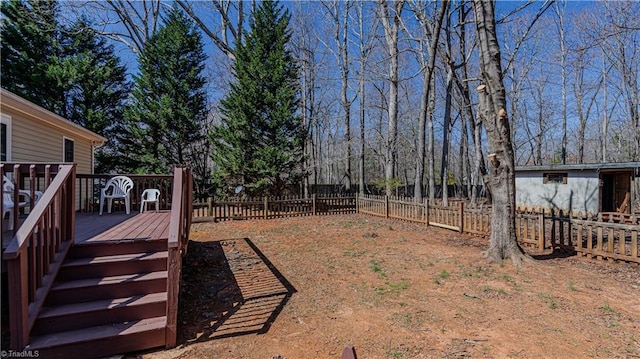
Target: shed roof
column 582, row 167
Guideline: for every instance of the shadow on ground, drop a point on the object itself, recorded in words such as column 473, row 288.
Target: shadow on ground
column 555, row 254
column 229, row 288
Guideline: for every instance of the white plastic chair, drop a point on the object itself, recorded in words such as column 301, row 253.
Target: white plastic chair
column 7, row 199
column 118, row 187
column 150, row 196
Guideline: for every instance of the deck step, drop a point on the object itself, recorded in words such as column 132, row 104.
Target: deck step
column 99, row 312
column 101, row 341
column 111, row 265
column 115, row 247
column 118, row 286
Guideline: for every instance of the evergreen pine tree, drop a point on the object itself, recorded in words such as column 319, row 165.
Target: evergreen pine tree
column 168, row 104
column 96, row 87
column 30, row 51
column 259, row 142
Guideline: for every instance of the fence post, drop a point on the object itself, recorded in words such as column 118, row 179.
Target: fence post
column 357, row 198
column 266, row 207
column 426, row 210
column 541, row 231
column 461, row 210
column 210, row 206
column 313, row 203
column 386, row 206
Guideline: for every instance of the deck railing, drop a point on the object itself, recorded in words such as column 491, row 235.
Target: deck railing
column 39, row 245
column 89, row 186
column 181, row 213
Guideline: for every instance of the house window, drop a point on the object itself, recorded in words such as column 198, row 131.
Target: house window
column 5, row 138
column 554, row 178
column 68, row 150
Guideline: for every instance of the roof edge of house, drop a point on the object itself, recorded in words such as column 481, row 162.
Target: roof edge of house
column 19, row 104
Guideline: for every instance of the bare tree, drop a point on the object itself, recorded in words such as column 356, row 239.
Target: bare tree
column 492, row 106
column 391, row 25
column 580, row 91
column 621, row 44
column 340, row 36
column 560, row 7
column 427, row 57
column 365, row 44
column 305, row 46
column 231, row 26
column 131, row 23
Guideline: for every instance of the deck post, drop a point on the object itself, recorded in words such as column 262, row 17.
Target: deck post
column 18, row 302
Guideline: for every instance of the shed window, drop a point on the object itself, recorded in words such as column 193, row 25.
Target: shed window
column 68, row 150
column 557, row 178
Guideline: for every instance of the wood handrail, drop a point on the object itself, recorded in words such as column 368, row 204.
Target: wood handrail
column 19, row 240
column 37, row 250
column 179, row 225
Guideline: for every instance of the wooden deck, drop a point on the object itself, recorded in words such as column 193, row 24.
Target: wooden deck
column 92, row 227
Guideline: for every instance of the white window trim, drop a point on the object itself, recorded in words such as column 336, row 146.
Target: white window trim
column 64, row 138
column 6, row 119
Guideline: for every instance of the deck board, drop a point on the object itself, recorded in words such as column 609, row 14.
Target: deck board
column 144, row 226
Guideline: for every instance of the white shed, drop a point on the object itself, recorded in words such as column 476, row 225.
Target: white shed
column 592, row 188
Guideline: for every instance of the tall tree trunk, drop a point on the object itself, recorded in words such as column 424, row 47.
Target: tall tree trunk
column 492, row 105
column 605, row 121
column 475, row 125
column 361, row 180
column 427, row 75
column 444, row 167
column 391, row 29
column 364, row 53
column 341, row 30
column 431, row 172
column 563, row 74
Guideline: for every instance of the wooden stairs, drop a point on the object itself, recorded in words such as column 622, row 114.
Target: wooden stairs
column 109, row 297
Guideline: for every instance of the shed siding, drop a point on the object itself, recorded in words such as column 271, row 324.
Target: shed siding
column 580, row 194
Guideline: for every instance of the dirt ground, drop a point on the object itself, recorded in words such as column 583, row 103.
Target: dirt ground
column 306, row 287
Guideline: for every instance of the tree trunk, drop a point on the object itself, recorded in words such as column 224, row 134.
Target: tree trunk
column 444, row 167
column 492, row 110
column 361, row 84
column 431, row 172
column 605, row 121
column 563, row 74
column 391, row 29
column 427, row 76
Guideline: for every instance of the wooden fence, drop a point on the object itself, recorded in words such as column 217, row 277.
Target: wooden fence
column 271, row 207
column 597, row 239
column 534, row 229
